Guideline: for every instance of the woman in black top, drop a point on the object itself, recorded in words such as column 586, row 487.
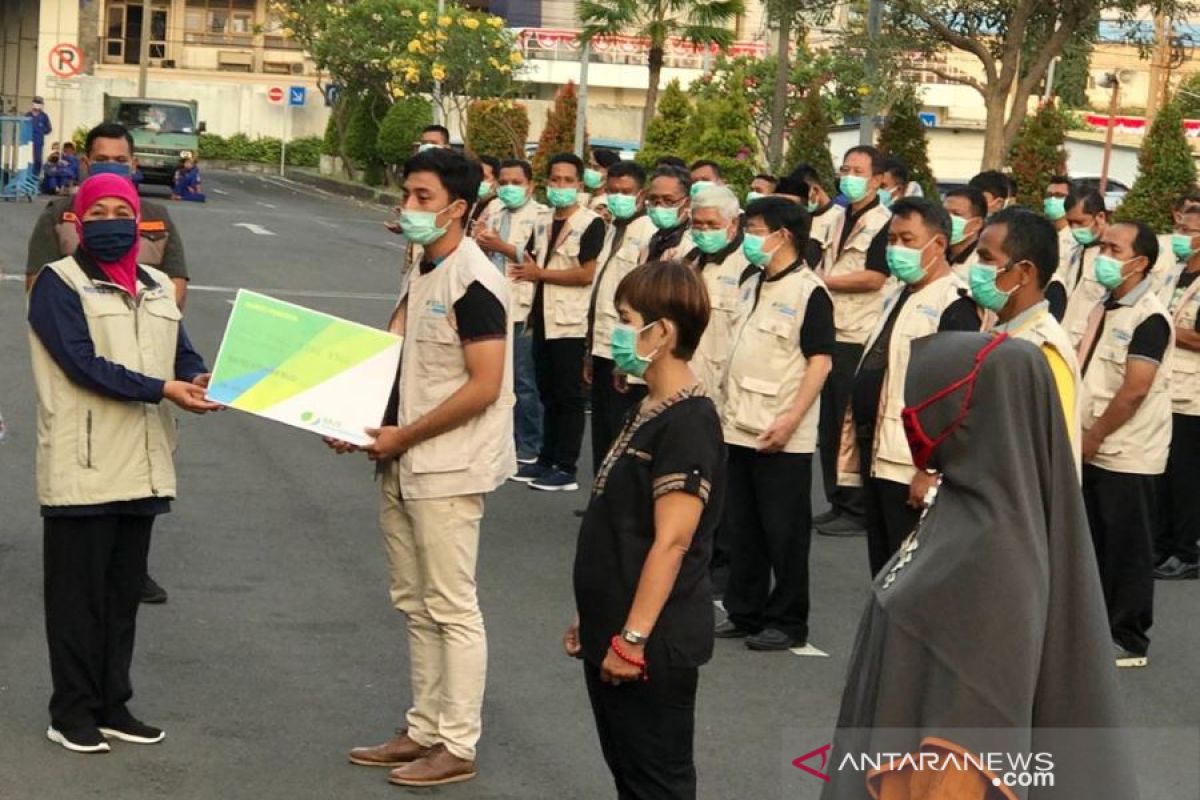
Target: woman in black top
column 644, row 623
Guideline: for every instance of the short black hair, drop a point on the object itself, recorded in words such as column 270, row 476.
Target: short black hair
column 107, row 130
column 705, row 162
column 68, row 144
column 869, row 151
column 1189, row 198
column 460, row 175
column 442, row 129
column 628, row 169
column 806, row 174
column 680, row 174
column 605, row 158
column 566, row 158
column 762, row 176
column 778, row 214
column 1092, row 200
column 973, row 196
column 993, row 182
column 671, row 161
column 793, row 186
column 1145, row 243
column 1059, row 179
column 517, row 163
column 673, row 291
column 1013, row 186
column 897, row 169
column 492, row 162
column 1029, row 236
column 931, row 213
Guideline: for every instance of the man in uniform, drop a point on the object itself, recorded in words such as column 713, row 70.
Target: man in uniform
column 668, row 206
column 996, row 188
column 967, row 209
column 705, row 173
column 109, row 148
column 434, row 136
column 1054, row 205
column 1089, row 220
column 40, row 121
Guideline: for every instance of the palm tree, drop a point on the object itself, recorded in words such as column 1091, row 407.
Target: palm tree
column 701, row 22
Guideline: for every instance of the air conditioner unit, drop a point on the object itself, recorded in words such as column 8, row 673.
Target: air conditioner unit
column 298, row 68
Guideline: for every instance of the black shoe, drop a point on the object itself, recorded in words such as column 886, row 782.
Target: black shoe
column 1176, row 569
column 129, row 729
column 841, row 526
column 152, row 593
column 772, row 640
column 728, row 630
column 827, row 517
column 79, row 740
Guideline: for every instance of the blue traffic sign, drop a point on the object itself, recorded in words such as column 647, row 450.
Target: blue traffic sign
column 296, row 96
column 928, row 119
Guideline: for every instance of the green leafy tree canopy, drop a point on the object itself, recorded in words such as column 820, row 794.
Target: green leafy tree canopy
column 1166, row 171
column 903, row 136
column 1039, row 153
column 668, row 129
column 498, row 128
column 559, row 134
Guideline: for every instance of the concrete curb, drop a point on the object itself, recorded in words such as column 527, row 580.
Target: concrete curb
column 310, row 177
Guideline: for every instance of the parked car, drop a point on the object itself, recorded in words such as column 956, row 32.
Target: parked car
column 1114, row 192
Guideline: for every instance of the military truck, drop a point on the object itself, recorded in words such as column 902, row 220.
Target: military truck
column 164, row 131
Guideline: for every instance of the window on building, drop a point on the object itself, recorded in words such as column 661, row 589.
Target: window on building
column 219, row 21
column 124, row 22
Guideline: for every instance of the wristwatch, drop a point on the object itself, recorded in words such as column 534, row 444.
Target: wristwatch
column 633, row 637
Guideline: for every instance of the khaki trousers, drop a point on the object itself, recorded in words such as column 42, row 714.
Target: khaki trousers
column 432, row 547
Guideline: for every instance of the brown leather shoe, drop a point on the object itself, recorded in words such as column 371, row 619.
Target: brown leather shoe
column 395, row 751
column 438, row 767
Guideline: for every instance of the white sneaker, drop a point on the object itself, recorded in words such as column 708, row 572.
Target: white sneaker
column 84, row 742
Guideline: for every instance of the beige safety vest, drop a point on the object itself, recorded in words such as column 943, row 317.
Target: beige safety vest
column 1042, row 330
column 479, row 455
column 1066, row 254
column 725, row 299
column 1165, row 271
column 565, row 308
column 152, row 244
column 1140, row 446
column 1185, row 373
column 1083, row 293
column 855, row 314
column 921, row 315
column 93, row 449
column 824, row 226
column 766, row 364
column 524, row 223
column 612, row 269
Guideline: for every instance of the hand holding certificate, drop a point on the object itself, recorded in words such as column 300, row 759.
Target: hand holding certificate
column 304, row 368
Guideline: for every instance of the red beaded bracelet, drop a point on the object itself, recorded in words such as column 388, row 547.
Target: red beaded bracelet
column 640, row 663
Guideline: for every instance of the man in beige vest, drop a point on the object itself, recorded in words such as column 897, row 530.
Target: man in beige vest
column 1126, row 355
column 855, row 271
column 668, row 206
column 1089, row 219
column 519, row 226
column 447, row 442
column 827, row 216
column 930, row 300
column 1018, row 254
column 1054, row 206
column 967, row 210
column 1176, row 555
column 558, row 318
column 996, row 188
column 770, row 405
column 625, row 244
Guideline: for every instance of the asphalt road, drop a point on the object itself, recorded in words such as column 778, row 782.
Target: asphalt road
column 278, row 649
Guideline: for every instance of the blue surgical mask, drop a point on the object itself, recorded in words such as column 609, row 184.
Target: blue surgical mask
column 854, row 187
column 885, row 198
column 626, row 358
column 512, row 196
column 905, row 262
column 562, row 196
column 664, row 217
column 421, row 227
column 122, row 169
column 108, row 240
column 622, row 206
column 982, row 280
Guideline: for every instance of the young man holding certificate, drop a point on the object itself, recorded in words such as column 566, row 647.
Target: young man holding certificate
column 446, row 442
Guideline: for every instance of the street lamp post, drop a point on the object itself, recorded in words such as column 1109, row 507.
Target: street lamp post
column 1113, row 81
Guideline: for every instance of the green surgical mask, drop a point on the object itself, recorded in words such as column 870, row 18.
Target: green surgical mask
column 958, row 229
column 854, row 187
column 420, row 227
column 664, row 217
column 700, row 186
column 485, row 189
column 710, row 242
column 562, row 196
column 622, row 206
column 1109, row 271
column 885, row 198
column 626, row 357
column 813, row 207
column 513, row 197
column 982, row 280
column 905, row 262
column 1181, row 245
column 592, row 178
column 752, row 195
column 1055, row 208
column 1085, row 236
column 752, row 249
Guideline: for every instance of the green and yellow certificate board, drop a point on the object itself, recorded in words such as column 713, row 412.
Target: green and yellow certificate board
column 304, row 368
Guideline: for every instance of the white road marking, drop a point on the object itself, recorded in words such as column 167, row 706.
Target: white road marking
column 808, row 650
column 267, row 205
column 250, row 226
column 219, row 191
column 391, row 298
column 13, row 278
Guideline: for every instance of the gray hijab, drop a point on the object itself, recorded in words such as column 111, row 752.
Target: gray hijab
column 997, row 621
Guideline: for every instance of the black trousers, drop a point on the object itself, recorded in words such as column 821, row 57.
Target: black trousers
column 609, row 408
column 768, row 517
column 835, row 396
column 889, row 517
column 1121, row 512
column 559, row 367
column 94, row 571
column 646, row 730
column 1180, row 526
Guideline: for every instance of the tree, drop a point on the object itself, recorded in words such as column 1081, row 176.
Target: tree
column 1071, row 74
column 1166, row 171
column 1039, row 153
column 997, row 34
column 702, row 23
column 498, row 128
column 401, row 128
column 360, row 143
column 559, row 134
column 1188, row 97
column 788, row 16
column 903, row 136
column 720, row 131
column 808, row 138
column 667, row 131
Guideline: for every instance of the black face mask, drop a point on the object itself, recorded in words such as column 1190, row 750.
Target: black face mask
column 109, row 239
